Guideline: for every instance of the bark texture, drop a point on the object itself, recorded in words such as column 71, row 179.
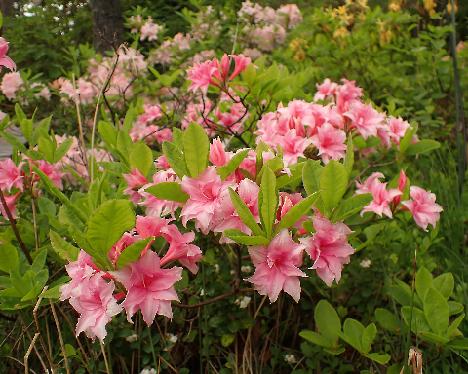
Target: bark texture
column 107, row 24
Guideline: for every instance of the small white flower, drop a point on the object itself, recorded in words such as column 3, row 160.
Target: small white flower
column 202, row 292
column 246, row 268
column 171, row 338
column 290, row 359
column 243, row 302
column 132, row 338
column 148, row 371
column 216, row 268
column 366, row 263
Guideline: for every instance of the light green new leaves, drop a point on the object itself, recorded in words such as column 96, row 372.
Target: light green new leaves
column 196, row 149
column 333, row 183
column 168, row 191
column 132, row 253
column 141, row 158
column 244, row 213
column 232, row 165
column 268, row 200
column 106, row 225
column 296, row 212
column 175, row 157
column 65, row 250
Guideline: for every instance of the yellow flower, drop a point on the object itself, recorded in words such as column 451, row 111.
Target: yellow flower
column 394, row 6
column 340, row 33
column 449, row 7
column 430, row 5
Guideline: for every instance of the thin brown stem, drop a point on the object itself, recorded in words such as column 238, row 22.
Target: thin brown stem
column 214, row 299
column 62, row 345
column 12, row 221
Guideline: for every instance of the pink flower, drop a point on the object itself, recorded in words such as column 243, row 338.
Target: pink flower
column 149, row 288
column 11, row 205
column 328, row 248
column 181, row 248
column 135, row 180
column 277, row 267
column 330, row 142
column 52, row 171
column 96, row 306
column 218, row 155
column 423, row 207
column 226, row 216
column 78, row 270
column 86, row 91
column 346, row 94
column 365, row 119
column 381, row 197
column 150, row 30
column 326, row 89
column 126, row 240
column 204, row 191
column 162, row 163
column 201, row 75
column 10, row 176
column 4, row 59
column 290, row 15
column 11, row 83
column 151, row 113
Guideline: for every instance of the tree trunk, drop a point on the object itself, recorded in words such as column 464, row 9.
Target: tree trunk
column 107, row 24
column 6, row 6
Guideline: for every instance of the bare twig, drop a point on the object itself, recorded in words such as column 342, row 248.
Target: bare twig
column 62, row 346
column 28, row 352
column 214, row 299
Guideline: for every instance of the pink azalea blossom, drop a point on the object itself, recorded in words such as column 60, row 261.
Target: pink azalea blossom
column 181, row 248
column 365, row 119
column 148, row 227
column 4, row 59
column 423, row 207
column 126, row 240
column 135, row 180
column 96, row 305
column 201, row 75
column 381, row 197
column 149, row 288
column 11, row 83
column 226, row 216
column 78, row 270
column 325, row 89
column 330, row 142
column 204, row 191
column 328, row 248
column 218, row 155
column 52, row 171
column 11, row 205
column 277, row 267
column 150, row 30
column 346, row 94
column 10, row 176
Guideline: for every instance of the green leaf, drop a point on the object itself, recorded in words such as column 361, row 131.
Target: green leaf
column 327, row 320
column 351, row 206
column 62, row 149
column 436, row 310
column 401, row 292
column 107, row 225
column 317, row 339
column 196, row 149
column 406, row 140
column 387, row 319
column 65, row 250
column 9, row 257
column 444, row 284
column 461, row 344
column 244, row 213
column 454, row 307
column 352, row 333
column 333, row 183
column 39, row 260
column 423, row 146
column 47, row 148
column 381, row 358
column 418, row 320
column 108, row 133
column 297, row 211
column 368, row 337
column 141, row 158
column 241, row 238
column 233, row 164
column 227, row 339
column 175, row 158
column 452, row 330
column 168, row 191
column 268, row 200
column 423, row 282
column 132, row 253
column 311, row 176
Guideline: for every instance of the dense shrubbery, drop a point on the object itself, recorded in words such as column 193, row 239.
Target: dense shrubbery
column 194, row 176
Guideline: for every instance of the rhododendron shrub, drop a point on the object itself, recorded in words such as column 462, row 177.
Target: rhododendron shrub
column 184, row 159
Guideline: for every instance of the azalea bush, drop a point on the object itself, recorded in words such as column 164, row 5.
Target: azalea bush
column 192, row 209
